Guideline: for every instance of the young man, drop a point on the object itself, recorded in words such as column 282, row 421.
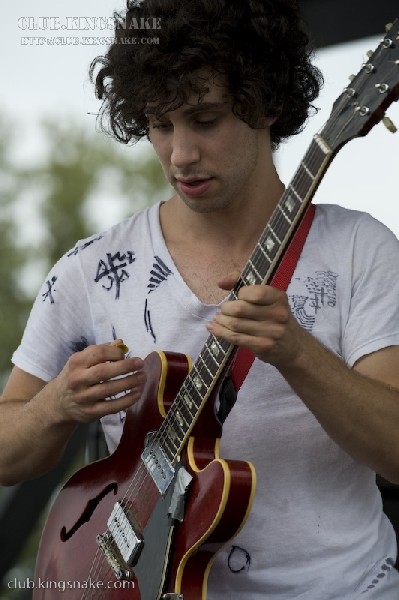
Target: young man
column 318, row 413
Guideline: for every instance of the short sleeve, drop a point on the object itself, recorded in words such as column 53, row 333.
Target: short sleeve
column 60, row 322
column 373, row 320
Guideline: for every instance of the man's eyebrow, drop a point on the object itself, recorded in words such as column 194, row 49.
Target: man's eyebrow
column 203, row 106
column 192, row 109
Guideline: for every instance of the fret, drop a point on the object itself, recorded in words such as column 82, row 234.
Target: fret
column 170, row 441
column 315, row 159
column 253, row 276
column 291, row 203
column 211, row 353
column 307, row 170
column 286, row 217
column 270, row 228
column 197, row 381
column 189, row 388
column 269, row 242
column 180, row 418
column 188, row 402
column 296, row 193
column 206, row 374
column 177, row 424
column 260, row 249
column 216, row 349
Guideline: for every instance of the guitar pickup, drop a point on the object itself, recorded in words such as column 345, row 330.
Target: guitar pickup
column 123, row 534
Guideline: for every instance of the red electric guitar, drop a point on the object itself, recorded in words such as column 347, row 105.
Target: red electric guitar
column 146, row 522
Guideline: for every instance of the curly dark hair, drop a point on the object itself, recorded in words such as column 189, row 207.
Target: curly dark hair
column 259, row 46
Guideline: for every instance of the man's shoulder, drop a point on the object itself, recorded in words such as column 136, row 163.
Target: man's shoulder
column 130, row 230
column 341, row 220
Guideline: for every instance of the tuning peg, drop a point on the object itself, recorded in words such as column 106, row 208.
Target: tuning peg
column 351, row 77
column 388, row 27
column 390, row 125
column 370, row 53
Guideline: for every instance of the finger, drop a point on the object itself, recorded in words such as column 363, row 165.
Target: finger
column 228, row 282
column 99, row 353
column 261, row 294
column 99, row 409
column 109, row 370
column 248, row 338
column 113, row 387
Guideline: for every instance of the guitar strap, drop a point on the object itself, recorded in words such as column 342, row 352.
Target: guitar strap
column 281, row 280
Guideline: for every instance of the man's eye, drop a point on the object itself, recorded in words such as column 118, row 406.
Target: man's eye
column 206, row 122
column 161, row 125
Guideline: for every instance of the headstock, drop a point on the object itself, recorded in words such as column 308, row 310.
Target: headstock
column 364, row 102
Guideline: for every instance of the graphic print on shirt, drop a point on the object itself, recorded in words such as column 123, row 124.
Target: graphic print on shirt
column 320, row 293
column 379, row 574
column 79, row 345
column 48, row 294
column 158, row 274
column 238, row 560
column 79, row 247
column 112, row 271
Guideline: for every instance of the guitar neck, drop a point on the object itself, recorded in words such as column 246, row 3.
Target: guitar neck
column 216, row 355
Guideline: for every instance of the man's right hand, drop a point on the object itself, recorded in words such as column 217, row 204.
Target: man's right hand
column 98, row 381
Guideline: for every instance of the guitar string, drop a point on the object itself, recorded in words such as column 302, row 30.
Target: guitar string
column 140, row 477
column 309, row 164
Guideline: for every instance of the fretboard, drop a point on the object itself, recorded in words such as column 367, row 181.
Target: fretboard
column 217, row 355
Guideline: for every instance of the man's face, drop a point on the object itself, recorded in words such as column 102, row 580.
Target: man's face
column 211, row 157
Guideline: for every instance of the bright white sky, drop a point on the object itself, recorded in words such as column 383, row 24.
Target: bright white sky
column 43, row 80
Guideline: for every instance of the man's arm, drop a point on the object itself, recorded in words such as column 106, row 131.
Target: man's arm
column 358, row 408
column 38, row 418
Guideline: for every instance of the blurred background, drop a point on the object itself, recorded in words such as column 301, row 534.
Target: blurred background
column 61, row 180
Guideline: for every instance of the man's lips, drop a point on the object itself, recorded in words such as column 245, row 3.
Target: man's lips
column 193, row 187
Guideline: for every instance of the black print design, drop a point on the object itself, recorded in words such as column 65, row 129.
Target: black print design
column 385, row 568
column 238, row 560
column 147, row 321
column 80, row 247
column 322, row 291
column 48, row 294
column 80, row 345
column 158, row 274
column 113, row 268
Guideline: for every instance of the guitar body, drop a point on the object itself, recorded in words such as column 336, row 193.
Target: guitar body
column 174, row 557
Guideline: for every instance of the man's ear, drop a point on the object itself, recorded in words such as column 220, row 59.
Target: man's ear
column 268, row 121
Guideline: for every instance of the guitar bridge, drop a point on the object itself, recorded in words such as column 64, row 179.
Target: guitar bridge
column 120, row 544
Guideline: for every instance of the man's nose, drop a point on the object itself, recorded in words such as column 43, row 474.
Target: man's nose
column 185, row 150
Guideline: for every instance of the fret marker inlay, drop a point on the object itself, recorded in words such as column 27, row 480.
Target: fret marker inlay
column 215, row 349
column 290, row 204
column 197, row 382
column 179, row 419
column 188, row 401
column 171, row 433
column 251, row 279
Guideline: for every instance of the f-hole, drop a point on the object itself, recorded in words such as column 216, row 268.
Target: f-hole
column 88, row 512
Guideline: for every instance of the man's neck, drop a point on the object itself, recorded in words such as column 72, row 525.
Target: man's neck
column 239, row 226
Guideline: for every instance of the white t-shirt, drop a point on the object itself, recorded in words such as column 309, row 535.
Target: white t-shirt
column 316, row 530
